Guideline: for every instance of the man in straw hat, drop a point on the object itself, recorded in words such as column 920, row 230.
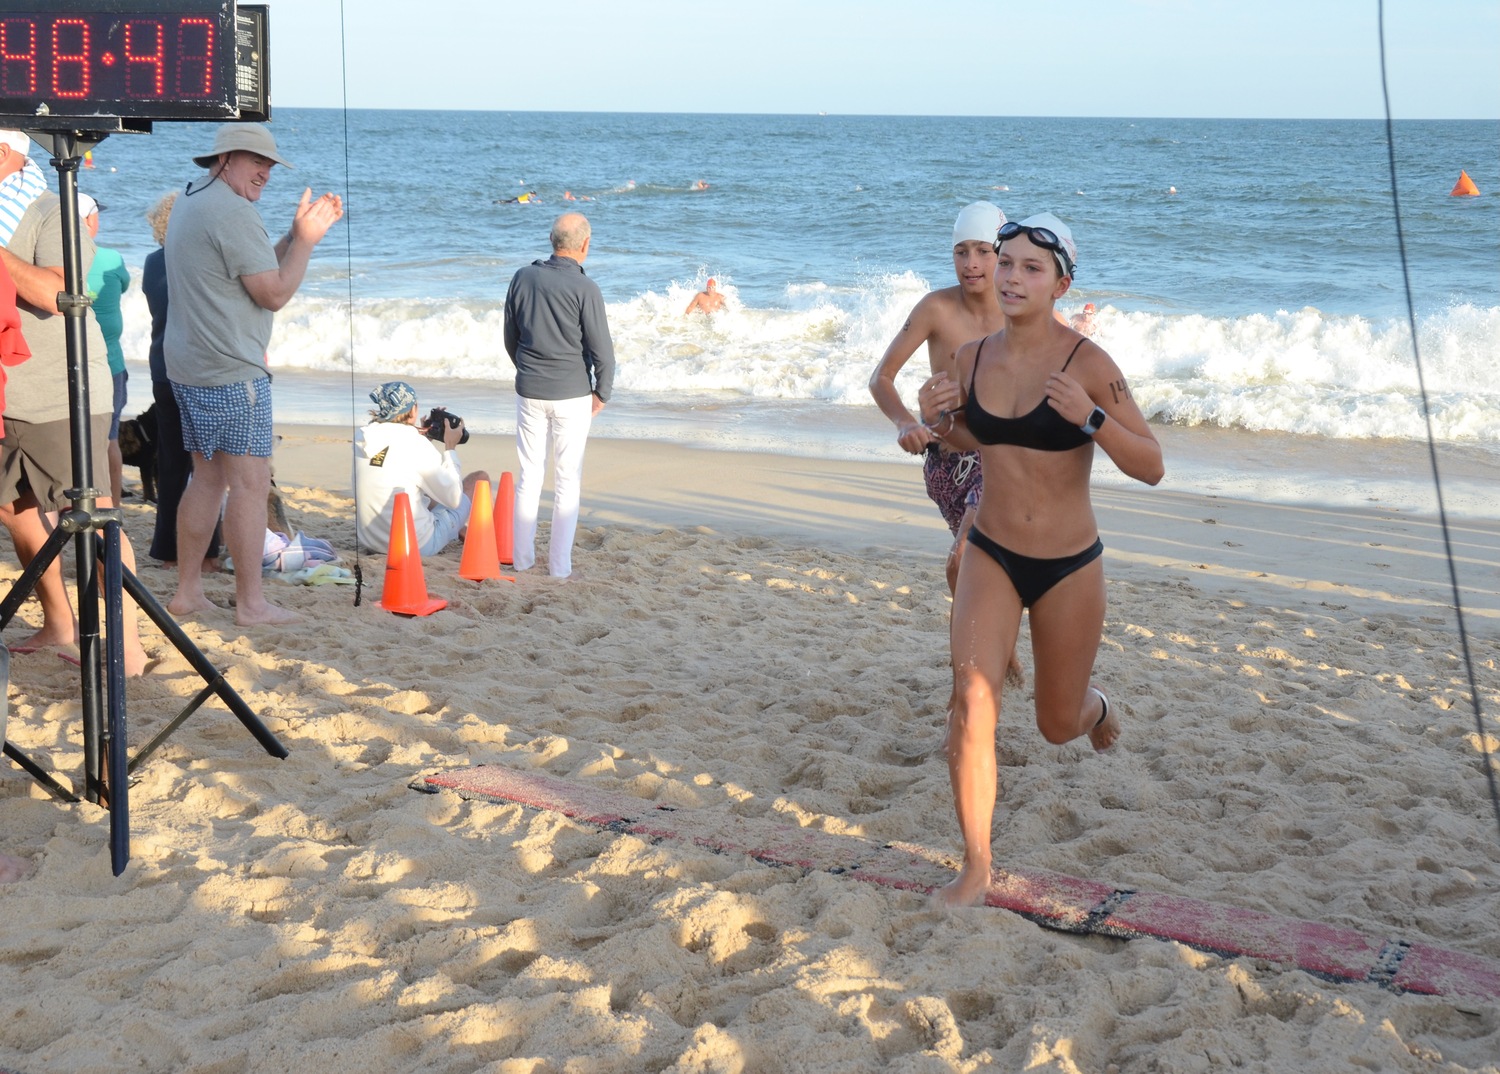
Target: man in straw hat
column 227, row 280
column 36, row 453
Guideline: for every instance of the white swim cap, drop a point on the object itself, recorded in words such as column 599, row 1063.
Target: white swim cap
column 977, row 221
column 1067, row 258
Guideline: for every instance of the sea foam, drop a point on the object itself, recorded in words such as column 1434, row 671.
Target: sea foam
column 1297, row 371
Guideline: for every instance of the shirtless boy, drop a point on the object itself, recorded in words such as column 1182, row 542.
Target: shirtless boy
column 945, row 320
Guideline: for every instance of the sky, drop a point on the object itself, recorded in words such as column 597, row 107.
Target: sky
column 1136, row 58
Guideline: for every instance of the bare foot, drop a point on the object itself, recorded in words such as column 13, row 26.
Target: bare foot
column 137, row 662
column 46, row 638
column 182, row 606
column 267, row 615
column 1106, row 732
column 13, row 869
column 969, row 889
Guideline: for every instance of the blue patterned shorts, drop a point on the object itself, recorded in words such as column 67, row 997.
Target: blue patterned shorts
column 232, row 418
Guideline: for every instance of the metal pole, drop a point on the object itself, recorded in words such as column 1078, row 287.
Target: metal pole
column 73, row 304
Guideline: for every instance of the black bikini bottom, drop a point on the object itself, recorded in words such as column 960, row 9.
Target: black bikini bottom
column 1032, row 577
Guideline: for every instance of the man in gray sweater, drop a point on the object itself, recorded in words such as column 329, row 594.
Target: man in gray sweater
column 557, row 336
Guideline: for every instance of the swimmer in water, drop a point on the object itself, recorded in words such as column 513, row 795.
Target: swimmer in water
column 708, row 300
column 1083, row 323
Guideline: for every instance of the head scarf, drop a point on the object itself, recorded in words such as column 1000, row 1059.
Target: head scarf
column 393, row 399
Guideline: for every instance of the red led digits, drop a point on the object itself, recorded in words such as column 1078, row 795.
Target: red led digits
column 145, row 70
column 195, row 57
column 70, row 70
column 77, row 61
column 17, row 56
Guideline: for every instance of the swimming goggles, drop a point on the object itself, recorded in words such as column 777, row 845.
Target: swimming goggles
column 1044, row 237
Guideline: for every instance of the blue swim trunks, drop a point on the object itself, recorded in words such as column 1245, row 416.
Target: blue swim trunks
column 232, row 418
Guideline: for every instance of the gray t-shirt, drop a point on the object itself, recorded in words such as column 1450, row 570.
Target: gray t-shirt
column 37, row 390
column 216, row 334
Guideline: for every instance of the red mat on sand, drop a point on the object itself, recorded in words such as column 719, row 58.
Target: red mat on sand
column 1051, row 899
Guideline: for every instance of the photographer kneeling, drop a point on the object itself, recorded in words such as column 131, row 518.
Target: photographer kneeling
column 394, row 453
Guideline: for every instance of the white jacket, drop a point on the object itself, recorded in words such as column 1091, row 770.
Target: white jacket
column 393, row 456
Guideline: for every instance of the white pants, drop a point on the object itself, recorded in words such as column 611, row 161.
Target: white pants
column 564, row 424
column 446, row 522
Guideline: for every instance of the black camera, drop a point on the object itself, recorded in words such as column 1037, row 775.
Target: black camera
column 439, row 420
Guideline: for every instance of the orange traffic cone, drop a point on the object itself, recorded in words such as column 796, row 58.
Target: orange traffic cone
column 505, row 520
column 481, row 560
column 405, row 585
column 1465, row 187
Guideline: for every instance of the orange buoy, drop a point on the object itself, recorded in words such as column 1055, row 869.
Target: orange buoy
column 1465, row 187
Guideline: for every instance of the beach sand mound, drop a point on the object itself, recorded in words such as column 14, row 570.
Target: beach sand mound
column 316, row 913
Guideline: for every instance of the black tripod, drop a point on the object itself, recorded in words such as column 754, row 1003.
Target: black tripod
column 96, row 535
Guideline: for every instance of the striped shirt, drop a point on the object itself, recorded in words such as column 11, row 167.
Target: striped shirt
column 17, row 191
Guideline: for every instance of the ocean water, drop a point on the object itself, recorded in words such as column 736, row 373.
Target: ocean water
column 1246, row 272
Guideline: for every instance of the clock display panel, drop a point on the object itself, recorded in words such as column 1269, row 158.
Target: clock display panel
column 171, row 61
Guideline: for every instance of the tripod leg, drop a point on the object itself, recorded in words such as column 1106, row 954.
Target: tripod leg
column 86, row 543
column 206, row 671
column 115, row 742
column 26, row 584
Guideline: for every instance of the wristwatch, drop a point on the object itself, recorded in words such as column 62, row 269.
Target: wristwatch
column 1096, row 420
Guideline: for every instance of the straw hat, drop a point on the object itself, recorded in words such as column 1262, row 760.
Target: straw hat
column 251, row 137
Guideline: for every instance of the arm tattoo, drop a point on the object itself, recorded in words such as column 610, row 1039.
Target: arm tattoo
column 1118, row 389
column 907, row 326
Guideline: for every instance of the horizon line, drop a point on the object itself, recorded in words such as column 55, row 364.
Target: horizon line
column 881, row 115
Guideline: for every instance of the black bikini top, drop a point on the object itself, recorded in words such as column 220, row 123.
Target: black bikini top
column 1043, row 428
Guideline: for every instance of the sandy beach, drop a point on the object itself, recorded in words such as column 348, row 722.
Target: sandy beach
column 762, row 637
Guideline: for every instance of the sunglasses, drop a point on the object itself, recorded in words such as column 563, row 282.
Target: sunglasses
column 1044, row 237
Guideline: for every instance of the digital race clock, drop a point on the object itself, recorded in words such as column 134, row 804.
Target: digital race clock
column 131, row 59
